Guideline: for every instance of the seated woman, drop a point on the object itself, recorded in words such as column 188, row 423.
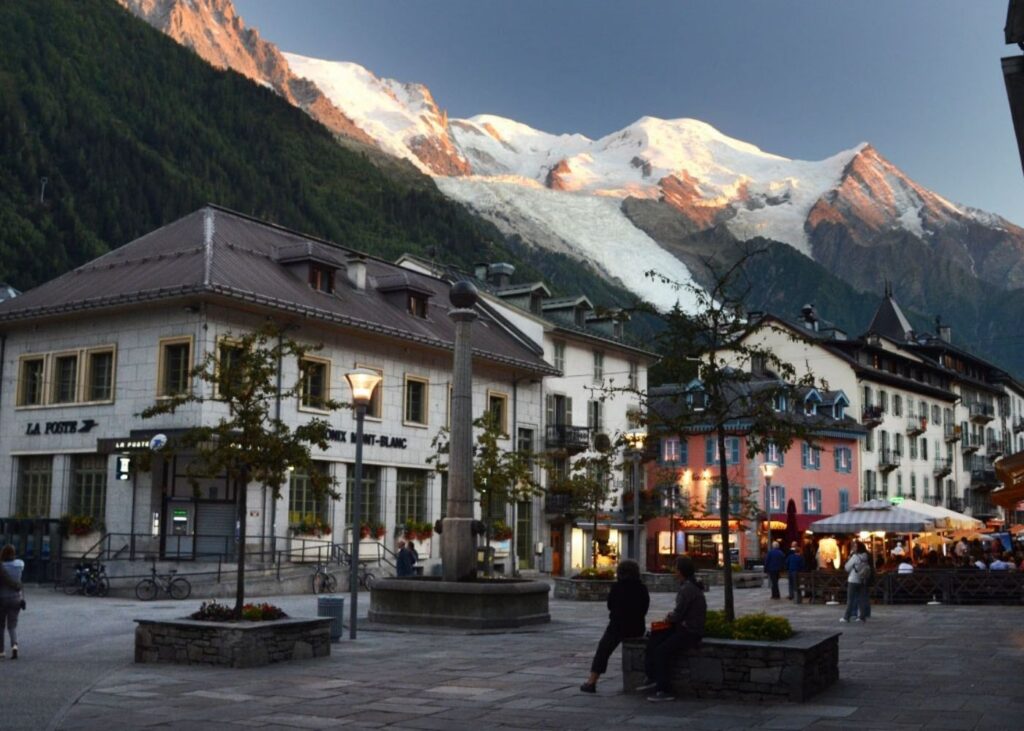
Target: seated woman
column 628, row 602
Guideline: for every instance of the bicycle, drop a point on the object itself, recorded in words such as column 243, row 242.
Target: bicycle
column 365, row 576
column 88, row 579
column 323, row 581
column 177, row 587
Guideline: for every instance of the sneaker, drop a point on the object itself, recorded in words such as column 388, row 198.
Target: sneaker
column 843, row 619
column 588, row 688
column 14, row 652
column 660, row 697
column 647, row 685
column 857, row 619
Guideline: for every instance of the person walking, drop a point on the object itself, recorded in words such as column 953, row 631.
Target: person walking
column 774, row 563
column 628, row 602
column 794, row 565
column 403, row 561
column 687, row 620
column 11, row 597
column 858, row 567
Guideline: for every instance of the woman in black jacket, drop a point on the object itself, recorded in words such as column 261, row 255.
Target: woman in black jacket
column 627, row 617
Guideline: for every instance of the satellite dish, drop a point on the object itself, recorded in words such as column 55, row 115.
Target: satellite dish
column 157, row 442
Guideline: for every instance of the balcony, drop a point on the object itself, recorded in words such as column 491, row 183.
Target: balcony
column 951, row 433
column 972, row 443
column 871, row 416
column 996, row 448
column 981, row 413
column 982, row 473
column 916, row 426
column 557, row 503
column 1018, row 426
column 942, row 467
column 955, row 503
column 572, row 439
column 888, row 460
column 980, row 505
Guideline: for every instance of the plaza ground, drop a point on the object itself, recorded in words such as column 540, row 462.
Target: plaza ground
column 909, row 667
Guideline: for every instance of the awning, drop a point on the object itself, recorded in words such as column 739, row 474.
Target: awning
column 1011, row 471
column 944, row 517
column 875, row 515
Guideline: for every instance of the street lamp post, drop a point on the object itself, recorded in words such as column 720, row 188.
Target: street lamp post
column 767, row 469
column 362, row 381
column 635, row 439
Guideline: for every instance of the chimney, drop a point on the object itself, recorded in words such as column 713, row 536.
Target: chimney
column 810, row 317
column 945, row 333
column 500, row 274
column 480, row 271
column 356, row 270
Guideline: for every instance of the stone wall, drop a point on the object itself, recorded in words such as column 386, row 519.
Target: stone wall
column 231, row 644
column 790, row 670
column 583, row 590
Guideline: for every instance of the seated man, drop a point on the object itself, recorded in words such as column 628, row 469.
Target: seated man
column 687, row 620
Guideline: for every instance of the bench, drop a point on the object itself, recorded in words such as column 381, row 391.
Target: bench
column 790, row 670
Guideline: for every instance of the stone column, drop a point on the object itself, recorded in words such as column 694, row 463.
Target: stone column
column 458, row 549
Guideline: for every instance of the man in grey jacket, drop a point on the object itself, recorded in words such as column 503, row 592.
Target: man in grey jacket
column 687, row 620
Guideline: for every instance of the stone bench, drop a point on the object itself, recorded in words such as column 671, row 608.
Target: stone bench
column 789, row 670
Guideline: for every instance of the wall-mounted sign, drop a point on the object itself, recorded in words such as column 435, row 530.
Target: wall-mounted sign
column 369, row 440
column 37, row 428
column 124, row 467
column 705, row 524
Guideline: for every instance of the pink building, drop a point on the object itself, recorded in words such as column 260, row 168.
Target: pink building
column 819, row 476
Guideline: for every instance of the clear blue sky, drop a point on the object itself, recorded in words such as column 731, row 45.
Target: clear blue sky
column 919, row 79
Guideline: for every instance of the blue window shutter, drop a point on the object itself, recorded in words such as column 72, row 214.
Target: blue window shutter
column 734, row 450
column 804, row 455
column 683, row 449
column 804, row 499
column 844, row 500
column 709, row 450
column 782, row 498
column 836, row 453
column 782, row 457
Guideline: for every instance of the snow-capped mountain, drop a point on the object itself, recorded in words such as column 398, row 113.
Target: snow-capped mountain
column 566, row 192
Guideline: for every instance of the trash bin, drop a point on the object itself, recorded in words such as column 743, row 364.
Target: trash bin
column 334, row 607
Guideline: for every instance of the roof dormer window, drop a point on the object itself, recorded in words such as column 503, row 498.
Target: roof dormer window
column 321, row 278
column 417, row 305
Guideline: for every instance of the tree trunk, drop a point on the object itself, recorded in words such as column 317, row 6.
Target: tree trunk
column 241, row 513
column 723, row 515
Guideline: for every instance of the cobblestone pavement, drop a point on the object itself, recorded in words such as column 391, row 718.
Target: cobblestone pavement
column 913, row 667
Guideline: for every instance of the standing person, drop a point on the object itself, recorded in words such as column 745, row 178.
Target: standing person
column 628, row 602
column 687, row 620
column 794, row 565
column 404, row 560
column 774, row 562
column 961, row 550
column 11, row 597
column 858, row 566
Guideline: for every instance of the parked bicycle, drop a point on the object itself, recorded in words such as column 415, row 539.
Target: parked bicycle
column 323, row 582
column 365, row 576
column 89, row 579
column 177, row 587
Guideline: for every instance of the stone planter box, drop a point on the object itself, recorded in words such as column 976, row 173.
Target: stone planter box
column 669, row 583
column 660, row 582
column 583, row 590
column 790, row 670
column 309, row 548
column 76, row 546
column 231, row 644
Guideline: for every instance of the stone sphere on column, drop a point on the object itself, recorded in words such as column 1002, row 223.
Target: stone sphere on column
column 463, row 295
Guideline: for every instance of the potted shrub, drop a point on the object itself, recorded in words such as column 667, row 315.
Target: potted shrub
column 79, row 533
column 500, row 531
column 590, row 584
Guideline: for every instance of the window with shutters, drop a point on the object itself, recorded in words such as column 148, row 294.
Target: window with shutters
column 732, row 451
column 843, row 459
column 777, row 499
column 595, row 416
column 774, row 455
column 811, row 500
column 559, row 359
column 810, row 456
column 897, row 405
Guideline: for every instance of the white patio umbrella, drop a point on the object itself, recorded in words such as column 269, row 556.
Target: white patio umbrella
column 944, row 518
column 875, row 515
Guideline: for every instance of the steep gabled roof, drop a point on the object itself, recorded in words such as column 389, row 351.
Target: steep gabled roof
column 215, row 253
column 889, row 319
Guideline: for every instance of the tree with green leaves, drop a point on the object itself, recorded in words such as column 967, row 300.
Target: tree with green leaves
column 249, row 443
column 718, row 379
column 500, row 476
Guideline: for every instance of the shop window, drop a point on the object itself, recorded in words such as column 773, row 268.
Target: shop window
column 370, row 509
column 174, row 368
column 411, row 496
column 304, row 504
column 35, row 478
column 416, row 400
column 89, row 489
column 316, row 386
column 30, row 381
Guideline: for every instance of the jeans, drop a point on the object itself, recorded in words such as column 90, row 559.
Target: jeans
column 856, row 599
column 773, row 577
column 9, row 610
column 794, row 586
column 609, row 641
column 660, row 653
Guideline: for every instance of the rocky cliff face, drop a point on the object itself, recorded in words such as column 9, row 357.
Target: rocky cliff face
column 218, row 35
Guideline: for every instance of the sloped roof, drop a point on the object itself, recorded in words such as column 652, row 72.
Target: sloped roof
column 218, row 253
column 890, row 321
